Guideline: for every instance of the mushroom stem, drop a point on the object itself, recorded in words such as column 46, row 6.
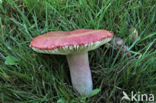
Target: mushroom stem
column 80, row 73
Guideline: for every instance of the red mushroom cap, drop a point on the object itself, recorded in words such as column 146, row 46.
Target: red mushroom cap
column 59, row 39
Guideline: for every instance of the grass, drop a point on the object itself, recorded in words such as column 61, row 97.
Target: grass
column 29, row 77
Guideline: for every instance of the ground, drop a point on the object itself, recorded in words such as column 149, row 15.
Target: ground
column 30, row 77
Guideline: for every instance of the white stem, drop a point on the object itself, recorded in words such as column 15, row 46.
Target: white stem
column 80, row 73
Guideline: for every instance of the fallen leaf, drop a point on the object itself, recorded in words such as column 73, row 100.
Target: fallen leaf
column 11, row 60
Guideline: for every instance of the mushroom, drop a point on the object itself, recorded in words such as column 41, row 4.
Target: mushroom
column 75, row 45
